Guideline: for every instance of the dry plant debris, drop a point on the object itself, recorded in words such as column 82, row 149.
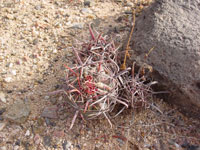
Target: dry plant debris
column 96, row 85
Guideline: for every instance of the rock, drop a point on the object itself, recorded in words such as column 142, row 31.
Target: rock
column 17, row 112
column 38, row 7
column 47, row 141
column 86, row 11
column 118, row 1
column 87, row 3
column 16, row 147
column 37, row 139
column 172, row 27
column 67, row 145
column 3, row 148
column 18, row 142
column 2, row 125
column 59, row 133
column 49, row 122
column 27, row 133
column 2, row 110
column 50, row 112
column 13, row 72
column 8, row 79
column 96, row 22
column 2, row 97
column 77, row 26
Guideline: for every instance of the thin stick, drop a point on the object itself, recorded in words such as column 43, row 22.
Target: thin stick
column 129, row 39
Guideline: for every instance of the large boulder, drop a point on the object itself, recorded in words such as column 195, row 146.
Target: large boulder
column 173, row 28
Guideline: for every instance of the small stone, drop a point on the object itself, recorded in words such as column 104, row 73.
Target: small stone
column 37, row 139
column 49, row 122
column 53, row 101
column 18, row 62
column 2, row 110
column 38, row 7
column 67, row 145
column 13, row 72
column 17, row 112
column 85, row 11
column 27, row 133
column 46, row 97
column 18, row 142
column 77, row 26
column 8, row 79
column 87, row 3
column 47, row 140
column 9, row 65
column 97, row 22
column 35, row 41
column 50, row 112
column 55, row 51
column 2, row 97
column 118, row 1
column 58, row 133
column 64, row 145
column 3, row 148
column 128, row 12
column 16, row 147
column 2, row 125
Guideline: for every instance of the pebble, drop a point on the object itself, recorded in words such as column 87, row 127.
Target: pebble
column 49, row 122
column 37, row 139
column 3, row 148
column 13, row 72
column 118, row 1
column 128, row 12
column 55, row 51
column 46, row 97
column 2, row 97
column 38, row 7
column 2, row 125
column 2, row 110
column 47, row 140
column 9, row 65
column 27, row 133
column 87, row 3
column 97, row 22
column 77, row 26
column 50, row 112
column 64, row 144
column 58, row 133
column 16, row 147
column 86, row 11
column 17, row 112
column 8, row 79
column 1, row 118
column 18, row 142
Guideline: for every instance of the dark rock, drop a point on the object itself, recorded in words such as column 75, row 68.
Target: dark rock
column 64, row 144
column 172, row 27
column 1, row 118
column 47, row 141
column 49, row 122
column 18, row 142
column 2, row 110
column 87, row 3
column 9, row 91
column 17, row 112
column 50, row 112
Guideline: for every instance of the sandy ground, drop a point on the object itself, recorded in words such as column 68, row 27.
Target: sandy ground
column 35, row 42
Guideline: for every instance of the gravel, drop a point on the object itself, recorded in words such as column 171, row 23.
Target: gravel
column 33, row 35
